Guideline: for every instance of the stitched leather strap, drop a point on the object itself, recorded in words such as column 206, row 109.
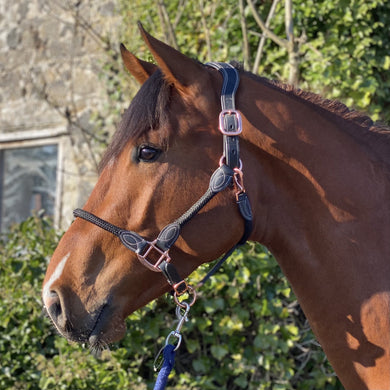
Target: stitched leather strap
column 231, row 80
column 129, row 239
column 230, row 126
column 220, row 179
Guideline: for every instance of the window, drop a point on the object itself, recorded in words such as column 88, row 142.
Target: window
column 28, row 182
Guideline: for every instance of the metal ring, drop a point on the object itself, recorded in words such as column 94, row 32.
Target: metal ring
column 222, row 161
column 184, row 304
column 178, row 337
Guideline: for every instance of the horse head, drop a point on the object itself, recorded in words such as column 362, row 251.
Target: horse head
column 159, row 164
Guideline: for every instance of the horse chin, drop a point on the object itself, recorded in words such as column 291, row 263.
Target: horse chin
column 101, row 341
column 109, row 328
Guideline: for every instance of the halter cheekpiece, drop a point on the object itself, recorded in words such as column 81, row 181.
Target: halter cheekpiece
column 227, row 174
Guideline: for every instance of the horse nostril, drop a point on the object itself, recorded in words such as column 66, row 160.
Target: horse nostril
column 54, row 308
column 53, row 304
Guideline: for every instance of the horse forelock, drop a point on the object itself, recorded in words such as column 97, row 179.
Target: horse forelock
column 147, row 111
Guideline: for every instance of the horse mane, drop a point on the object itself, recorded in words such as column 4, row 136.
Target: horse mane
column 146, row 111
column 149, row 107
column 357, row 124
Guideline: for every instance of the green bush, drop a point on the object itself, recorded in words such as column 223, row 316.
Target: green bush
column 246, row 330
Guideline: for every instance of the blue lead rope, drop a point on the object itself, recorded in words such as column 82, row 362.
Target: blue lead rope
column 169, row 361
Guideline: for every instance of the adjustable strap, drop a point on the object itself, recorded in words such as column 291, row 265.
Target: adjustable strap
column 246, row 213
column 129, row 239
column 221, row 179
column 229, row 119
column 230, row 125
column 231, row 80
column 137, row 244
column 173, row 277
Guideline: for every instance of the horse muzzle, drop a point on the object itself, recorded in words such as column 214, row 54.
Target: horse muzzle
column 97, row 327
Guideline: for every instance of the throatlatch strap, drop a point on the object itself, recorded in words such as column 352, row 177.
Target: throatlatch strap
column 246, row 212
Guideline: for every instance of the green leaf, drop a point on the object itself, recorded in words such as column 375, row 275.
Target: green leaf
column 219, row 351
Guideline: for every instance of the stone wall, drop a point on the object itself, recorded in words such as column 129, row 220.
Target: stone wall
column 51, row 58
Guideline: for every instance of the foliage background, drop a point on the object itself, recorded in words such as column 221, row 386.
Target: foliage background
column 343, row 46
column 246, row 330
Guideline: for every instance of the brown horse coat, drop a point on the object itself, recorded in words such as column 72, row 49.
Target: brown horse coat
column 318, row 178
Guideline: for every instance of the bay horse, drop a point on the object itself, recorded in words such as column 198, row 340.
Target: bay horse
column 317, row 175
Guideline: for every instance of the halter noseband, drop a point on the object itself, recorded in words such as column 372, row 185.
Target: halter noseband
column 229, row 172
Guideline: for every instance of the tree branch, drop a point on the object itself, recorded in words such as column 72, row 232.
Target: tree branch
column 289, row 22
column 180, row 10
column 292, row 46
column 279, row 41
column 206, row 31
column 169, row 32
column 246, row 47
column 260, row 48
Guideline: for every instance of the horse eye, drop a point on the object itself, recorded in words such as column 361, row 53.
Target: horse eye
column 148, row 153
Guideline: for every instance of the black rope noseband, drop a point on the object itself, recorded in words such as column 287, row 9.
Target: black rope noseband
column 229, row 172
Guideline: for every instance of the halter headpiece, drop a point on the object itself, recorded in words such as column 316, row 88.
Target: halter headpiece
column 228, row 173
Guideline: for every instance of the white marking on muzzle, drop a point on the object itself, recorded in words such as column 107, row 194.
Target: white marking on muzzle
column 54, row 276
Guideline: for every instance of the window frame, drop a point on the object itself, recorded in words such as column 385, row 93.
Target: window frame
column 37, row 138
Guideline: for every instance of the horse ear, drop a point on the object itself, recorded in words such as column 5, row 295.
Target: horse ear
column 177, row 68
column 141, row 70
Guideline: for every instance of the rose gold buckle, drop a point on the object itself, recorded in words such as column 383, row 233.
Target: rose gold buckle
column 162, row 256
column 177, row 285
column 222, row 124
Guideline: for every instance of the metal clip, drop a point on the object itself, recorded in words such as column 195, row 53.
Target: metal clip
column 182, row 318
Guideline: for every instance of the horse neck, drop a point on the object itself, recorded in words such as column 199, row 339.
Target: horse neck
column 316, row 193
column 305, row 164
